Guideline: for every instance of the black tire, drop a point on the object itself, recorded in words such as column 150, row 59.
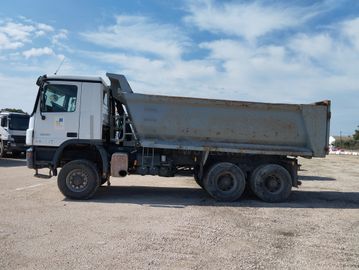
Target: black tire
column 78, row 179
column 198, row 180
column 2, row 150
column 271, row 183
column 225, row 182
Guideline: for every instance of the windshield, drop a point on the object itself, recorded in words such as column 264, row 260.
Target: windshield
column 19, row 122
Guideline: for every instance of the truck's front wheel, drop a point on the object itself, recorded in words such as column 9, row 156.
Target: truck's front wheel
column 78, row 179
column 271, row 183
column 225, row 181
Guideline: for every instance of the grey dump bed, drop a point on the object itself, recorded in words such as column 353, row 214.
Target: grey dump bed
column 226, row 126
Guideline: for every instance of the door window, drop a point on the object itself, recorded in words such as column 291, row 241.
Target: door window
column 59, row 98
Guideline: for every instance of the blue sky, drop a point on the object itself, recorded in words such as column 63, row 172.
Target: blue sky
column 267, row 51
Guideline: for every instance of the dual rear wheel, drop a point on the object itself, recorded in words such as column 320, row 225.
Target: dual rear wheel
column 271, row 183
column 225, row 181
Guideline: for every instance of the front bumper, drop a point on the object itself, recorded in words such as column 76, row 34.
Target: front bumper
column 12, row 146
column 15, row 147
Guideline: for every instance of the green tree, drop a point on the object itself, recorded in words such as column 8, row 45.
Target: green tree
column 12, row 110
column 356, row 135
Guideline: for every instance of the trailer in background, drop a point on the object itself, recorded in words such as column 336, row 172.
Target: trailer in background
column 12, row 133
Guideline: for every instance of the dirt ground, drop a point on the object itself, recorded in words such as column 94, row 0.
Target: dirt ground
column 170, row 223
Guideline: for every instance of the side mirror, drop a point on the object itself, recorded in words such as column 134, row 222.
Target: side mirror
column 43, row 104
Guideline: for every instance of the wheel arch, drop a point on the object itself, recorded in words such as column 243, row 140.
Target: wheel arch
column 99, row 154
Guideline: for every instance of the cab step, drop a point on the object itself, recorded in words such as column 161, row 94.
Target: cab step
column 43, row 176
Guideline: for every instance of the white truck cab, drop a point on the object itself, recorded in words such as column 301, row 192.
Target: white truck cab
column 67, row 108
column 12, row 132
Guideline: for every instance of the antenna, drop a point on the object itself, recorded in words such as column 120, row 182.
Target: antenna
column 57, row 70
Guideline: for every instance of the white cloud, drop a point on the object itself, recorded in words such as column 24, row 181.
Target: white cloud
column 289, row 72
column 14, row 35
column 140, row 34
column 58, row 37
column 40, row 33
column 44, row 27
column 61, row 57
column 316, row 46
column 351, row 29
column 7, row 43
column 333, row 51
column 17, row 31
column 35, row 52
column 17, row 34
column 258, row 73
column 159, row 76
column 248, row 20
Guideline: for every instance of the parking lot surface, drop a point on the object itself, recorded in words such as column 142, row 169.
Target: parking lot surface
column 171, row 223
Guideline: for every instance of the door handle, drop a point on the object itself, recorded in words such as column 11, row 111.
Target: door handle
column 72, row 134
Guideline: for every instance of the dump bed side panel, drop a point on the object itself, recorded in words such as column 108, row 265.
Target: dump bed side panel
column 233, row 126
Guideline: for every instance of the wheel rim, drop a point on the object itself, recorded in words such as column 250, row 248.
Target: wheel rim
column 77, row 180
column 273, row 184
column 226, row 182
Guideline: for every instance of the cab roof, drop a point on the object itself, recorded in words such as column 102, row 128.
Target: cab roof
column 74, row 78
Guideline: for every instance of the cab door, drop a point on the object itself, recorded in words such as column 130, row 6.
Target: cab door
column 58, row 113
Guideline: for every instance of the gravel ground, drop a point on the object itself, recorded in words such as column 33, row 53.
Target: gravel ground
column 170, row 223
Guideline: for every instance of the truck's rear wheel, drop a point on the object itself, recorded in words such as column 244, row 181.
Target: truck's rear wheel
column 225, row 182
column 78, row 179
column 271, row 183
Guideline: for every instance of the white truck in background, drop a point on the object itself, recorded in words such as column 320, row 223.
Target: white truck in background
column 93, row 131
column 13, row 133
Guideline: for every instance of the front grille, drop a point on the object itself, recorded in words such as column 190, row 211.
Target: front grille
column 19, row 139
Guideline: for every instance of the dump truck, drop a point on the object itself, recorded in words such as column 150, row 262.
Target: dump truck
column 94, row 131
column 12, row 133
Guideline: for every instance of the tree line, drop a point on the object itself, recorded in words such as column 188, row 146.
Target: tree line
column 12, row 110
column 351, row 143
